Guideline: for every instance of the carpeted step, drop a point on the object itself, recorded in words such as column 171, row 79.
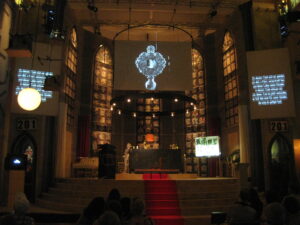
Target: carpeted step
column 167, row 211
column 173, row 220
column 160, row 196
column 161, row 203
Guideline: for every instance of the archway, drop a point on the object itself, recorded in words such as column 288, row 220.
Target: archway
column 26, row 144
column 281, row 165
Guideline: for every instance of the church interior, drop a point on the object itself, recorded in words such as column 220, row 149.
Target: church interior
column 180, row 103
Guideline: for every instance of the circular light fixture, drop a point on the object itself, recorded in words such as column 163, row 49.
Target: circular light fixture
column 183, row 103
column 29, row 99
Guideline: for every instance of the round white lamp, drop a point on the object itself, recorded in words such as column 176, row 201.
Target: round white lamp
column 29, row 99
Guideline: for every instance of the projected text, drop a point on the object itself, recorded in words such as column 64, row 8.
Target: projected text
column 269, row 89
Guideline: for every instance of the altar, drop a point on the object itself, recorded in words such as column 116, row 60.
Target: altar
column 155, row 160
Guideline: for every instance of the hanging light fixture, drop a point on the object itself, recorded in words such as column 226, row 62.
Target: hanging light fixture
column 29, row 99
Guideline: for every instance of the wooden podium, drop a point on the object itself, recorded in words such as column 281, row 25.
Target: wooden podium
column 16, row 179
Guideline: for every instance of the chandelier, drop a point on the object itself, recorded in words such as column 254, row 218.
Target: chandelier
column 177, row 103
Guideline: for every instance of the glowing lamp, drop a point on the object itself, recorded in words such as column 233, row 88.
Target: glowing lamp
column 149, row 137
column 18, row 2
column 29, row 99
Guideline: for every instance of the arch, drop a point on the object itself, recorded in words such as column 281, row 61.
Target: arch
column 102, row 94
column 281, row 165
column 230, row 78
column 26, row 144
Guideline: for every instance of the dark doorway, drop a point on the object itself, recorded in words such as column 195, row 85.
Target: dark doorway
column 25, row 144
column 281, row 165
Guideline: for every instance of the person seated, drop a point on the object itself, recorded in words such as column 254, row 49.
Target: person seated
column 108, row 218
column 114, row 194
column 241, row 212
column 274, row 214
column 92, row 212
column 292, row 207
column 138, row 216
column 18, row 217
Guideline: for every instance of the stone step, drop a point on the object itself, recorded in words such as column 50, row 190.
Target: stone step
column 91, row 194
column 60, row 206
column 194, row 211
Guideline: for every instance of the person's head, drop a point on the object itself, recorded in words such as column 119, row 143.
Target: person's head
column 21, row 203
column 244, row 195
column 291, row 204
column 253, row 195
column 115, row 206
column 275, row 214
column 114, row 194
column 137, row 207
column 128, row 146
column 125, row 203
column 95, row 208
column 8, row 220
column 271, row 196
column 108, row 218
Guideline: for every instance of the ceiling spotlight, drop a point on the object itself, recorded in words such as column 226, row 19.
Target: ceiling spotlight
column 187, row 111
column 114, row 104
column 128, row 100
column 134, row 114
column 111, row 108
column 192, row 103
column 153, row 115
column 176, row 100
column 172, row 114
column 119, row 112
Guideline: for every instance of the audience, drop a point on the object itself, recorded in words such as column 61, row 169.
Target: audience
column 108, row 218
column 95, row 208
column 274, row 214
column 241, row 212
column 18, row 217
column 255, row 202
column 292, row 207
column 114, row 194
column 138, row 216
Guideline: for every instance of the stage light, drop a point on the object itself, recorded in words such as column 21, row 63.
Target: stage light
column 29, row 99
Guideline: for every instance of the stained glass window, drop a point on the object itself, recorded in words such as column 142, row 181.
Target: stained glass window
column 230, row 81
column 102, row 93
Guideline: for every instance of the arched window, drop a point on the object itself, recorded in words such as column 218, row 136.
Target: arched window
column 101, row 97
column 71, row 77
column 195, row 121
column 230, row 81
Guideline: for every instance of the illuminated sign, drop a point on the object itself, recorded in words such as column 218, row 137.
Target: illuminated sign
column 150, row 64
column 207, row 146
column 35, row 79
column 269, row 89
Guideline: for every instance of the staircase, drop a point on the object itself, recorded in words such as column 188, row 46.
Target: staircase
column 195, row 198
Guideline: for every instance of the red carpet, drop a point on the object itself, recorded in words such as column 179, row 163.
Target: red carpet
column 162, row 204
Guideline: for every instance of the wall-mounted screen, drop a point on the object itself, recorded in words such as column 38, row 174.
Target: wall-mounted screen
column 207, row 146
column 35, row 79
column 152, row 66
column 270, row 84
